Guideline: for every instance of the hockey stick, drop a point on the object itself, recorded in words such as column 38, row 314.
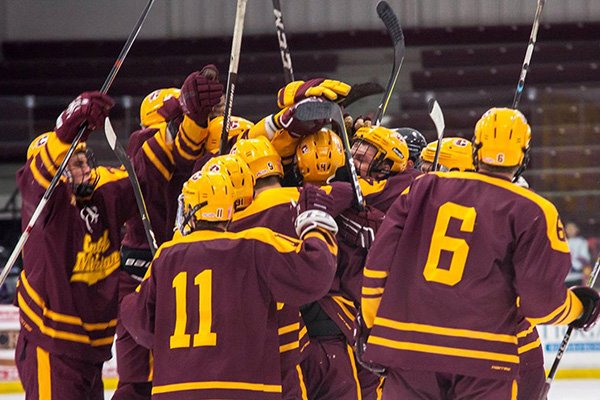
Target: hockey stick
column 116, row 147
column 238, row 30
column 524, row 69
column 393, row 27
column 359, row 91
column 435, row 112
column 328, row 110
column 61, row 169
column 565, row 341
column 529, row 53
column 286, row 59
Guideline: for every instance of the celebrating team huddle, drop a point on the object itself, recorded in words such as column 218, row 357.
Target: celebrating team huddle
column 271, row 280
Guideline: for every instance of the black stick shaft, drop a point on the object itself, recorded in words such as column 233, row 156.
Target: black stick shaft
column 236, row 44
column 284, row 50
column 529, row 53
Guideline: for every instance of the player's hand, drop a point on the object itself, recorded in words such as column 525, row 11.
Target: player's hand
column 312, row 211
column 171, row 110
column 201, row 91
column 361, row 334
column 320, row 87
column 358, row 228
column 89, row 107
column 285, row 119
column 591, row 307
column 361, row 121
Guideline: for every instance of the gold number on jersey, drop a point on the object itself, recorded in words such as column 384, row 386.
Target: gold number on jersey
column 440, row 241
column 179, row 339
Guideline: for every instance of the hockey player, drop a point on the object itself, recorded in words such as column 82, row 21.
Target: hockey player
column 416, row 143
column 485, row 246
column 67, row 293
column 170, row 141
column 200, row 307
column 318, row 156
column 270, row 208
column 456, row 154
column 380, row 155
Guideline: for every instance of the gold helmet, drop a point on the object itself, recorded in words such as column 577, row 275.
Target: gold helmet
column 391, row 149
column 241, row 177
column 319, row 155
column 237, row 126
column 456, row 154
column 260, row 155
column 151, row 103
column 501, row 138
column 206, row 196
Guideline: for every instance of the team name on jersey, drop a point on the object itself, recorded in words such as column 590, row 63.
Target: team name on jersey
column 92, row 265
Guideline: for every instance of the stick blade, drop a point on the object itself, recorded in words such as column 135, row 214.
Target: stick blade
column 360, row 91
column 109, row 132
column 435, row 112
column 390, row 20
column 312, row 110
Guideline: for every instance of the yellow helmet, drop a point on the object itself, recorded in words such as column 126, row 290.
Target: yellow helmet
column 502, row 137
column 319, row 155
column 390, row 145
column 260, row 155
column 36, row 145
column 241, row 177
column 456, row 154
column 151, row 103
column 206, row 196
column 237, row 126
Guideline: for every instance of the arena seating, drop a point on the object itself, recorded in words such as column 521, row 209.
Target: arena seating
column 467, row 69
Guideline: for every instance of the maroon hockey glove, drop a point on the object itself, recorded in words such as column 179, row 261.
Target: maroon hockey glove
column 312, row 211
column 89, row 107
column 199, row 94
column 313, row 198
column 361, row 334
column 285, row 120
column 358, row 228
column 591, row 307
column 171, row 110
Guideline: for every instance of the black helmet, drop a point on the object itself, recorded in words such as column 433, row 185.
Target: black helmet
column 415, row 141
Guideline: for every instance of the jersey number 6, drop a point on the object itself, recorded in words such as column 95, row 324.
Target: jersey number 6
column 440, row 241
column 179, row 339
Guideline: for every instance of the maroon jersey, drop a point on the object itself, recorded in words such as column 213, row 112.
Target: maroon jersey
column 442, row 279
column 68, row 288
column 351, row 259
column 208, row 302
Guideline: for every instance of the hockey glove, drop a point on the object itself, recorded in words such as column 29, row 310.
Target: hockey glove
column 89, row 107
column 298, row 90
column 358, row 228
column 200, row 93
column 361, row 334
column 591, row 307
column 312, row 211
column 285, row 119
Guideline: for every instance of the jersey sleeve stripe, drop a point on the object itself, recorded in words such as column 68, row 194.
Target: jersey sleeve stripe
column 571, row 316
column 184, row 151
column 439, row 330
column 443, row 350
column 37, row 175
column 288, row 328
column 371, row 273
column 529, row 346
column 208, row 385
column 366, row 291
column 289, row 346
column 156, row 162
column 166, row 149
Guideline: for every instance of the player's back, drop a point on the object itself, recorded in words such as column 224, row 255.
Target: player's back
column 470, row 244
column 215, row 331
